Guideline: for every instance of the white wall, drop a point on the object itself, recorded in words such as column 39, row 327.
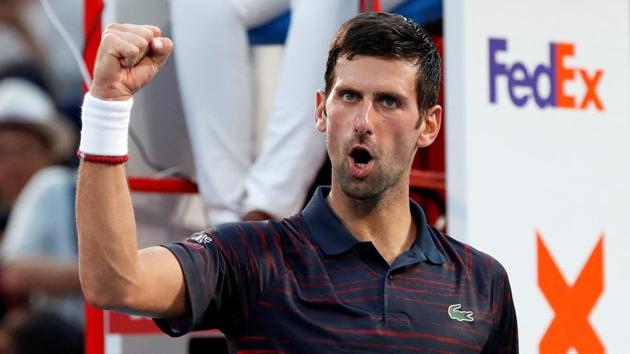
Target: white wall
column 513, row 172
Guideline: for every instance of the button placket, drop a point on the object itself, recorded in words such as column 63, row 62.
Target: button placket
column 387, row 282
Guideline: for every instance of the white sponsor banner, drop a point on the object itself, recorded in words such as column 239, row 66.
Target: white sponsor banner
column 538, row 160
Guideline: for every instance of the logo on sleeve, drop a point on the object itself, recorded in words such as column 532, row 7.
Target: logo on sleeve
column 455, row 314
column 201, row 238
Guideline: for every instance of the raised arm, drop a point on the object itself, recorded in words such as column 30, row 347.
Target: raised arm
column 113, row 273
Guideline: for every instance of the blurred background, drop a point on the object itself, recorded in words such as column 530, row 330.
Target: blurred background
column 531, row 166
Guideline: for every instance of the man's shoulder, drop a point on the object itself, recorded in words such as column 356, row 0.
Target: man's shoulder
column 482, row 267
column 280, row 232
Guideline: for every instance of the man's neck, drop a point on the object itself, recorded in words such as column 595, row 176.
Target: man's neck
column 386, row 222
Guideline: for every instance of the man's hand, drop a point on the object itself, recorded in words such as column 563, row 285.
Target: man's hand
column 128, row 58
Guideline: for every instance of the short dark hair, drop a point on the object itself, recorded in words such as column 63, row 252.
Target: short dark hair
column 389, row 36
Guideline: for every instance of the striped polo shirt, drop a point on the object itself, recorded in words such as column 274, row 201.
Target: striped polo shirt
column 305, row 284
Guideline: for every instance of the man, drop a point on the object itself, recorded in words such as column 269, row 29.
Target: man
column 38, row 253
column 359, row 270
column 32, row 136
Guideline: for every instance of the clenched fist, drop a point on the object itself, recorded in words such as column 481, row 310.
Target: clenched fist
column 128, row 58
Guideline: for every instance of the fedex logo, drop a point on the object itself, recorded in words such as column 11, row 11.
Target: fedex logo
column 555, row 72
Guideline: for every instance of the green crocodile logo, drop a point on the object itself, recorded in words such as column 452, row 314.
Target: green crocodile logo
column 454, row 313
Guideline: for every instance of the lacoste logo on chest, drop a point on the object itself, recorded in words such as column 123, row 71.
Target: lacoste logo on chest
column 455, row 314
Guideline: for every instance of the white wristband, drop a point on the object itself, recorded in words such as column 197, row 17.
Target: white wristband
column 105, row 126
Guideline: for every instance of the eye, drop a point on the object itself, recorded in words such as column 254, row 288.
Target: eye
column 349, row 96
column 390, row 102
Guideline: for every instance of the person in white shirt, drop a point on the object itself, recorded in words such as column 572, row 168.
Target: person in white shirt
column 215, row 79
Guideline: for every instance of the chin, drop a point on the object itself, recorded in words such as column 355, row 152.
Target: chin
column 361, row 194
column 372, row 188
column 361, row 190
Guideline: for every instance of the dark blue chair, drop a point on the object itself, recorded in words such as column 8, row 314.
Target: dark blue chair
column 275, row 31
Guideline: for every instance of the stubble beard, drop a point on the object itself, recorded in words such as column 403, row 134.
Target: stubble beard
column 371, row 188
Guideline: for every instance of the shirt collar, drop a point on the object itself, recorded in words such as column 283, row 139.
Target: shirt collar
column 334, row 238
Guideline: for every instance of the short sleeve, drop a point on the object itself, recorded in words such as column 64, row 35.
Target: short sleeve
column 504, row 337
column 209, row 287
column 226, row 271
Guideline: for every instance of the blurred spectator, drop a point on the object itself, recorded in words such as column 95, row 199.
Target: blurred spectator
column 32, row 136
column 39, row 333
column 17, row 43
column 28, row 38
column 39, row 250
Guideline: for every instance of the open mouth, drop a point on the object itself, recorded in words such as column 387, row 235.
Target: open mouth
column 361, row 161
column 360, row 156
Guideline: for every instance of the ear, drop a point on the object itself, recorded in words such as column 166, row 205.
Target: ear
column 430, row 126
column 320, row 111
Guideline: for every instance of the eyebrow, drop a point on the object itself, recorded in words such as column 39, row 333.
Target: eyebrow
column 343, row 88
column 379, row 95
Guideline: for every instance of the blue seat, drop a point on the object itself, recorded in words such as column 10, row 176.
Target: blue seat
column 275, row 31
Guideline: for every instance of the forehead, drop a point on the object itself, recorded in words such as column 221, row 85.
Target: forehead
column 378, row 74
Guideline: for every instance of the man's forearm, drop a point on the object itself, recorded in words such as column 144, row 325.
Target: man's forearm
column 107, row 235
column 113, row 273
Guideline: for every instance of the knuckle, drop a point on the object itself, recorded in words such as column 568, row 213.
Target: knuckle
column 134, row 51
column 153, row 29
column 107, row 38
column 113, row 26
column 145, row 33
column 138, row 30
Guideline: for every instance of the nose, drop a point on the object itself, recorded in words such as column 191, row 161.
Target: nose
column 363, row 120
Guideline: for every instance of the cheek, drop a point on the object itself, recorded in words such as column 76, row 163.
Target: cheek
column 404, row 142
column 338, row 126
column 333, row 141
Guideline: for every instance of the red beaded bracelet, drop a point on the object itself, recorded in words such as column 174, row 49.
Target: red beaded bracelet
column 107, row 160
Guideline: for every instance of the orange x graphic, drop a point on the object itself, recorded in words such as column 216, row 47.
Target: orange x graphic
column 572, row 305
